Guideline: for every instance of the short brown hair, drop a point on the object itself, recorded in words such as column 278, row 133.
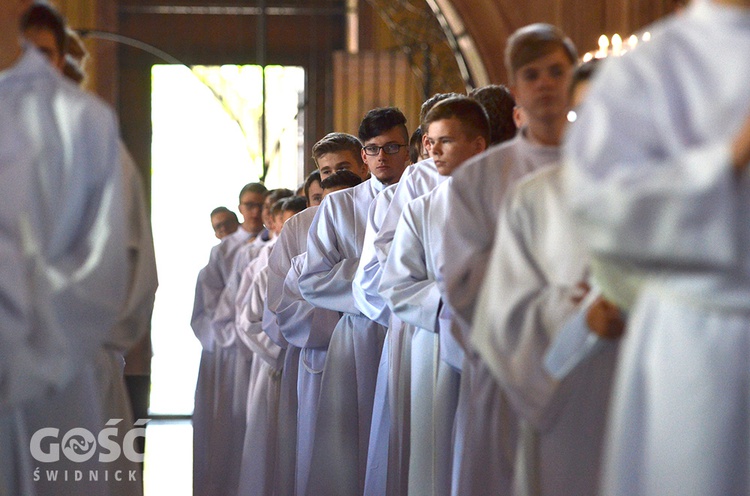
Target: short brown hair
column 337, row 142
column 531, row 42
column 471, row 113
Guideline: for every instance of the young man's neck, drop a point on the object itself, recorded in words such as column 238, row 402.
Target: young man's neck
column 249, row 229
column 546, row 133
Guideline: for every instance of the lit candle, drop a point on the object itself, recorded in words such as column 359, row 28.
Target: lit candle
column 603, row 46
column 616, row 45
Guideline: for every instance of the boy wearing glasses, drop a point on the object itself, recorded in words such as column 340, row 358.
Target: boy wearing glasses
column 333, row 249
column 457, row 129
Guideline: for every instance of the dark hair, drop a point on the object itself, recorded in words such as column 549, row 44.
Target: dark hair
column 313, row 177
column 473, row 117
column 415, row 146
column 277, row 206
column 583, row 73
column 531, row 42
column 253, row 188
column 42, row 15
column 337, row 142
column 343, row 177
column 294, row 204
column 379, row 120
column 429, row 103
column 278, row 194
column 224, row 210
column 499, row 103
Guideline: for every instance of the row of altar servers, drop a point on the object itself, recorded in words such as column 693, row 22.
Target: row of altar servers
column 329, row 366
column 476, row 372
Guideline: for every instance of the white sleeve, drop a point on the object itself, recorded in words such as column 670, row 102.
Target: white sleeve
column 471, row 228
column 406, row 284
column 367, row 277
column 251, row 322
column 135, row 317
column 518, row 315
column 326, row 279
column 302, row 324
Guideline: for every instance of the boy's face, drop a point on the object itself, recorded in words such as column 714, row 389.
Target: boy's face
column 267, row 217
column 329, row 163
column 314, row 194
column 541, row 87
column 223, row 224
column 387, row 168
column 278, row 222
column 251, row 208
column 450, row 146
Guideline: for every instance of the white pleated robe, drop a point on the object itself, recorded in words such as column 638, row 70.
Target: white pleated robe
column 221, row 392
column 527, row 298
column 418, row 179
column 292, row 241
column 308, row 330
column 409, row 285
column 348, row 384
column 651, row 184
column 259, row 456
column 369, row 302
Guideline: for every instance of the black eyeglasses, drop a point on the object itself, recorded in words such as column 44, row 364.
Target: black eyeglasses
column 390, row 149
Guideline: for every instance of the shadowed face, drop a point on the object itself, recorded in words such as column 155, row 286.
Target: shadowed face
column 251, row 208
column 541, row 87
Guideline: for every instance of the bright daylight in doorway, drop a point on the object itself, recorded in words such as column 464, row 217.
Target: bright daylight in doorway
column 206, row 146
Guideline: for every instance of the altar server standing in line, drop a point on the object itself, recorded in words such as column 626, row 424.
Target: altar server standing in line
column 658, row 181
column 64, row 249
column 533, row 307
column 333, row 251
column 456, row 129
column 255, row 326
column 539, row 59
column 387, row 454
column 46, row 28
column 214, row 472
column 306, row 329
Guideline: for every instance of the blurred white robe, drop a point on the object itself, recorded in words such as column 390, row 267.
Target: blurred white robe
column 651, row 185
column 485, row 423
column 64, row 272
column 348, row 384
column 527, row 298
